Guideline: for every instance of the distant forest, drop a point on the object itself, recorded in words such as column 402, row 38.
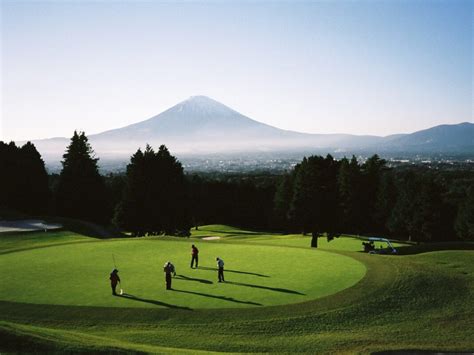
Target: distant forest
column 320, row 195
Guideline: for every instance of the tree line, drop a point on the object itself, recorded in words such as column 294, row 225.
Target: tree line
column 321, row 195
column 325, row 196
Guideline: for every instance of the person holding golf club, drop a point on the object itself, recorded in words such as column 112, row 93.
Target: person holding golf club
column 168, row 269
column 114, row 280
column 173, row 269
column 194, row 256
column 220, row 269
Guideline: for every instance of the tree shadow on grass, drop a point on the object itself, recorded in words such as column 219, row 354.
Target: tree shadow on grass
column 429, row 247
column 224, row 298
column 155, row 302
column 187, row 278
column 277, row 289
column 234, row 271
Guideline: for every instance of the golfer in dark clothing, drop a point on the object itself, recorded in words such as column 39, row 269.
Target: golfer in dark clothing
column 114, row 279
column 220, row 268
column 168, row 270
column 194, row 256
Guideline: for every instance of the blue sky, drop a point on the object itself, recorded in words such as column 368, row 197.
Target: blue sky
column 369, row 67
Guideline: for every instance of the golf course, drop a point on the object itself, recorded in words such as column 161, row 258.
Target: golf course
column 279, row 294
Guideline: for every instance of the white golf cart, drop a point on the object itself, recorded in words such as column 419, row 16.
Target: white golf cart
column 370, row 248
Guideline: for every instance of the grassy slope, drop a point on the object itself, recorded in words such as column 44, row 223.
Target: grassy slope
column 420, row 301
column 25, row 241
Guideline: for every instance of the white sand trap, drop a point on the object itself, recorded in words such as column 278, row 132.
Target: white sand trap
column 26, row 225
column 211, row 238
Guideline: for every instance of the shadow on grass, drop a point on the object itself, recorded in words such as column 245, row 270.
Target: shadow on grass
column 428, row 247
column 234, row 271
column 224, row 298
column 277, row 289
column 157, row 303
column 187, row 278
column 418, row 352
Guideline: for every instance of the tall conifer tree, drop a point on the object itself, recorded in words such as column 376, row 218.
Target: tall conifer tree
column 81, row 191
column 154, row 200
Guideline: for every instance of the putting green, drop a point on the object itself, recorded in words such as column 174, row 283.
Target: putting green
column 256, row 276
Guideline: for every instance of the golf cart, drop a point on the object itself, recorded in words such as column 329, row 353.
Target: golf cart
column 370, row 248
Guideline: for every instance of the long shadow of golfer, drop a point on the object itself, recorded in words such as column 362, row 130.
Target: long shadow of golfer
column 187, row 278
column 158, row 303
column 230, row 299
column 277, row 289
column 234, row 271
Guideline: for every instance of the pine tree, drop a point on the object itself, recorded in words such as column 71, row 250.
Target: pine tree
column 282, row 201
column 430, row 213
column 465, row 217
column 33, row 197
column 314, row 205
column 81, row 191
column 155, row 199
column 349, row 195
column 372, row 171
column 385, row 203
column 402, row 221
column 23, row 179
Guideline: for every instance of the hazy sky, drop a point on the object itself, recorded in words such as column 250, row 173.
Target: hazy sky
column 373, row 67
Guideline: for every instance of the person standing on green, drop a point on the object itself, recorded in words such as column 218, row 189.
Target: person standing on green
column 114, row 280
column 194, row 256
column 168, row 269
column 220, row 269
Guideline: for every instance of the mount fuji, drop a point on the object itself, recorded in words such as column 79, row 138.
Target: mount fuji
column 201, row 125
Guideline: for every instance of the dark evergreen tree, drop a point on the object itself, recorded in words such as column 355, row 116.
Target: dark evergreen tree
column 372, row 171
column 282, row 201
column 81, row 191
column 350, row 199
column 465, row 217
column 401, row 222
column 385, row 203
column 429, row 217
column 34, row 195
column 155, row 200
column 314, row 206
column 23, row 179
column 9, row 173
column 420, row 211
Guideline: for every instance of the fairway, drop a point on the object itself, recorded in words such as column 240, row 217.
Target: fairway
column 256, row 276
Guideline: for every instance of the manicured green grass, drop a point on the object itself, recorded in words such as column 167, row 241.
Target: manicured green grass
column 256, row 276
column 227, row 233
column 419, row 302
column 23, row 241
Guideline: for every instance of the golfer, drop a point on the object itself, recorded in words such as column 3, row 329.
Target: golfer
column 114, row 279
column 194, row 256
column 173, row 269
column 168, row 270
column 220, row 268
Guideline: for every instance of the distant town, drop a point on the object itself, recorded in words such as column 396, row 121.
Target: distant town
column 282, row 162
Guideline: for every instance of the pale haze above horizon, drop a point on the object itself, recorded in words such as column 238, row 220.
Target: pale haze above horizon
column 368, row 67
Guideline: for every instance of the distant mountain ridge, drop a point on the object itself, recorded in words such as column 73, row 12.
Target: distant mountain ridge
column 201, row 125
column 443, row 138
